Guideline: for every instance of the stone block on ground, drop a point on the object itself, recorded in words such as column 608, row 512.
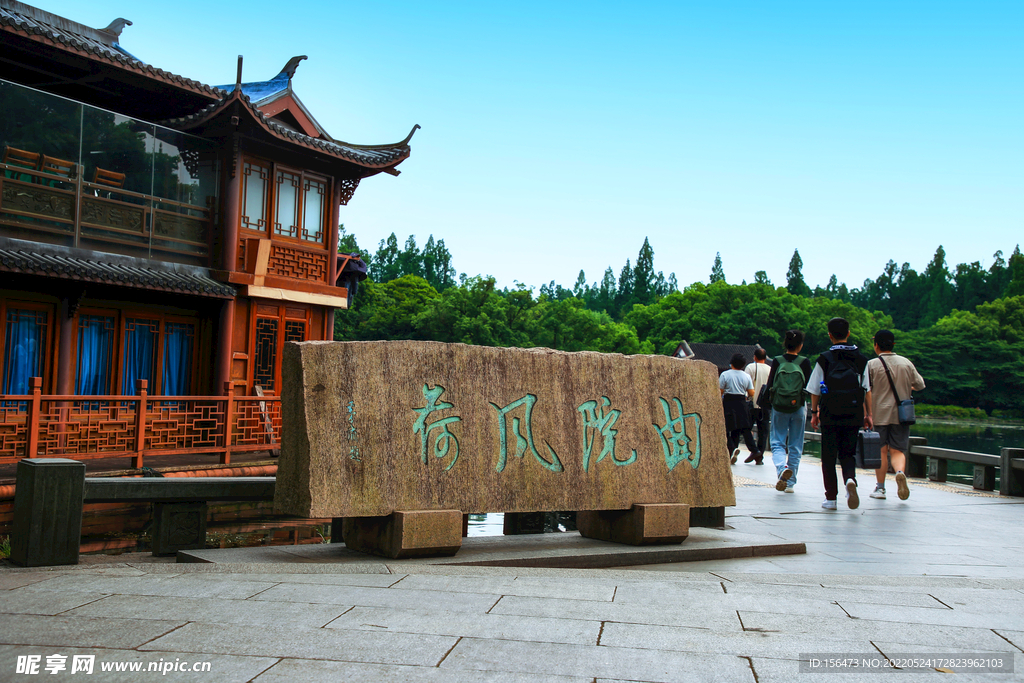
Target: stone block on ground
column 640, row 525
column 410, row 533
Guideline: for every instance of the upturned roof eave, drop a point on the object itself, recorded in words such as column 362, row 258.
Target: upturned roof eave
column 351, row 153
column 33, row 30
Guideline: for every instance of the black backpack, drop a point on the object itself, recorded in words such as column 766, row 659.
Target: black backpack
column 842, row 397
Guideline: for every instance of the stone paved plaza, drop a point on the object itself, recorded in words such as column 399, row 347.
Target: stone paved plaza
column 940, row 574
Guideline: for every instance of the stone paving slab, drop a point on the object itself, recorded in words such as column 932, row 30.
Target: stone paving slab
column 64, row 631
column 910, row 632
column 439, row 601
column 497, row 626
column 45, row 602
column 714, row 616
column 520, row 586
column 223, row 668
column 172, row 586
column 596, row 661
column 292, row 670
column 267, row 640
column 217, row 610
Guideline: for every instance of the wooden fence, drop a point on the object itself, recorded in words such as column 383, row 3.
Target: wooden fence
column 91, row 427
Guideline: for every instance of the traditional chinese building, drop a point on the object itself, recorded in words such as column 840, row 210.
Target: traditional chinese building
column 155, row 228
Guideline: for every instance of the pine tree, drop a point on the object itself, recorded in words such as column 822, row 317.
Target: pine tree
column 717, row 272
column 643, row 275
column 795, row 277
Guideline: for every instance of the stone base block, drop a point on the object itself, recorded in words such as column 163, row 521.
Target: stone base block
column 406, row 533
column 178, row 526
column 712, row 518
column 47, row 527
column 646, row 524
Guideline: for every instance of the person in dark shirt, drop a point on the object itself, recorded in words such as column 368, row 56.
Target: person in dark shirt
column 840, row 403
column 787, row 425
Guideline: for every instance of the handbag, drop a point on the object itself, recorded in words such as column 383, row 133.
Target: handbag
column 905, row 408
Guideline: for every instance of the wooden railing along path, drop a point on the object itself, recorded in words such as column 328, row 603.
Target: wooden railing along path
column 927, row 461
column 135, row 427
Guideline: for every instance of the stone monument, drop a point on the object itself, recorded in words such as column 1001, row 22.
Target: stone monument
column 402, row 437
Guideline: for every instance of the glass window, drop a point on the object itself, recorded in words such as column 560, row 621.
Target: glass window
column 254, row 196
column 313, row 210
column 286, row 217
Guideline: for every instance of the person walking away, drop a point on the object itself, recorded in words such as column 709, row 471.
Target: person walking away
column 786, row 399
column 887, row 371
column 840, row 404
column 759, row 416
column 736, row 388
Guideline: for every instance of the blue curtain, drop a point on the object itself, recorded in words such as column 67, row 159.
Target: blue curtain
column 139, row 354
column 23, row 357
column 177, row 358
column 95, row 334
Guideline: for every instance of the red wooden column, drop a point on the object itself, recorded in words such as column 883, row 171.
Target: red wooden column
column 140, row 422
column 229, row 421
column 229, row 263
column 32, row 419
column 332, row 256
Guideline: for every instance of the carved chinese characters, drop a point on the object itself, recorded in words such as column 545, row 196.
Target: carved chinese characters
column 373, row 427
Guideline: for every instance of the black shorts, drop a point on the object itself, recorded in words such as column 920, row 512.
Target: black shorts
column 895, row 436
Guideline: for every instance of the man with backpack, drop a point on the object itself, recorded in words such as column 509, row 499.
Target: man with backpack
column 786, row 397
column 841, row 403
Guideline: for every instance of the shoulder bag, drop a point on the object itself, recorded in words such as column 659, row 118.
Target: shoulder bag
column 904, row 408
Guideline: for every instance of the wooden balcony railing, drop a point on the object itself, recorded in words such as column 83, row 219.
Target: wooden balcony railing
column 92, row 427
column 67, row 210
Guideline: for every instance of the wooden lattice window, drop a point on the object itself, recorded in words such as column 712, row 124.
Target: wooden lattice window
column 284, row 202
column 266, row 354
column 275, row 326
column 255, row 181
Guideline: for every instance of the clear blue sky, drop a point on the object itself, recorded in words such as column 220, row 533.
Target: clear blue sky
column 556, row 136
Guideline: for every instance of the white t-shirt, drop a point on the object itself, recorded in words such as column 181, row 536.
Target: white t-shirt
column 759, row 373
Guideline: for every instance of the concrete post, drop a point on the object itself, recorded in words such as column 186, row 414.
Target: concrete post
column 1011, row 481
column 47, row 528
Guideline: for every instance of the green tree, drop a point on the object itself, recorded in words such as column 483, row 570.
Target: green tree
column 795, row 277
column 385, row 264
column 644, row 285
column 717, row 272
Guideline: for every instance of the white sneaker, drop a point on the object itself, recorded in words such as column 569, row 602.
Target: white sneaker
column 852, row 499
column 879, row 492
column 783, row 481
column 789, row 488
column 735, row 455
column 828, row 505
column 902, row 490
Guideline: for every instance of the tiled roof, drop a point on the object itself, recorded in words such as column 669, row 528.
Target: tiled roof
column 372, row 156
column 720, row 354
column 262, row 90
column 60, row 32
column 30, row 258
